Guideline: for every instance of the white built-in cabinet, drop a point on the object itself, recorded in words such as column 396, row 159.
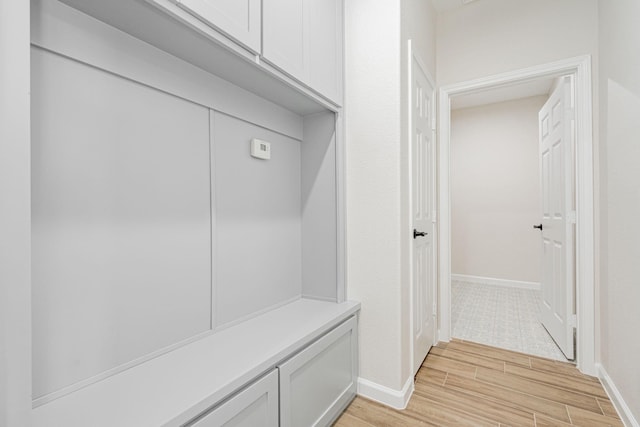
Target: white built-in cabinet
column 301, row 38
column 304, row 39
column 316, row 383
column 255, row 406
column 176, row 279
column 238, row 19
column 309, row 389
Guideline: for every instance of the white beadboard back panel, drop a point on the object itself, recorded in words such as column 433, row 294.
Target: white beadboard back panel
column 258, row 225
column 121, row 221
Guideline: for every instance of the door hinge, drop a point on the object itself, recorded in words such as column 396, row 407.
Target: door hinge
column 573, row 321
column 571, row 217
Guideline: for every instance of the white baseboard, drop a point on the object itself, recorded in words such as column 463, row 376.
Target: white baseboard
column 616, row 398
column 496, row 282
column 397, row 399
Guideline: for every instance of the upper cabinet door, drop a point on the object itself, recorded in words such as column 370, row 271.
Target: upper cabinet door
column 325, row 44
column 238, row 19
column 303, row 38
column 283, row 35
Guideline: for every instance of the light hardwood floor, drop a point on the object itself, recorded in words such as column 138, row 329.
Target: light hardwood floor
column 467, row 384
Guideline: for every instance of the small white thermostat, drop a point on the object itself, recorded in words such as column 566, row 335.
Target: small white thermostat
column 260, row 149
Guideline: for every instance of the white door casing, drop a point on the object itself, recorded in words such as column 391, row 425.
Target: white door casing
column 422, row 211
column 556, row 120
column 580, row 68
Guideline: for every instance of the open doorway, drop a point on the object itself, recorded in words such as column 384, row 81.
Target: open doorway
column 497, row 260
column 579, row 68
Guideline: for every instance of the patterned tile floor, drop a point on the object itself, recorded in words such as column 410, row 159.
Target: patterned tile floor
column 501, row 317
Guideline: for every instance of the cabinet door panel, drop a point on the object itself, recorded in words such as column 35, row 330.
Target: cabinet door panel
column 239, row 19
column 303, row 38
column 324, row 34
column 318, row 383
column 284, row 36
column 255, row 406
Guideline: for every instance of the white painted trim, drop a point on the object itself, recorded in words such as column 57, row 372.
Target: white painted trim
column 15, row 215
column 616, row 398
column 397, row 399
column 518, row 284
column 409, row 207
column 243, row 319
column 213, row 319
column 444, row 217
column 341, row 211
column 317, row 298
column 580, row 67
column 585, row 222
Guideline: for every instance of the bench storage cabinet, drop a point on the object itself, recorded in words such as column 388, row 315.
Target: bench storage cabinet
column 318, row 383
column 255, row 406
column 179, row 278
column 315, row 385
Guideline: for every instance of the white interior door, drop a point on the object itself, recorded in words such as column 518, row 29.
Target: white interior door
column 423, row 212
column 558, row 216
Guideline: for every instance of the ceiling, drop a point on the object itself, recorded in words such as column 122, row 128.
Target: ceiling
column 501, row 94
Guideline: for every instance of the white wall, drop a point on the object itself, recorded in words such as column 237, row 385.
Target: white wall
column 619, row 108
column 495, row 190
column 492, row 36
column 377, row 177
column 372, row 124
column 15, row 210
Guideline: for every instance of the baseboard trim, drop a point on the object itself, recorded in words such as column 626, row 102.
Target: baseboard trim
column 616, row 398
column 496, row 282
column 397, row 399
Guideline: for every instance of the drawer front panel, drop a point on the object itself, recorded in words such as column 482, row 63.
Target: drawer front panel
column 317, row 383
column 255, row 406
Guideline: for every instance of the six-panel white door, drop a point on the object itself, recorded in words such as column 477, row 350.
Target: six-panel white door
column 558, row 216
column 423, row 212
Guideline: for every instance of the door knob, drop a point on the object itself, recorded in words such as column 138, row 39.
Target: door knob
column 417, row 233
column 539, row 227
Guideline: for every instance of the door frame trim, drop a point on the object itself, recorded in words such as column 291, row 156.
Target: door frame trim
column 580, row 67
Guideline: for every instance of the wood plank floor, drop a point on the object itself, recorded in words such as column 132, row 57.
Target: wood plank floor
column 467, row 384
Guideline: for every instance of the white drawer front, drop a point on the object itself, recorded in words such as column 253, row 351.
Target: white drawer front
column 255, row 406
column 317, row 383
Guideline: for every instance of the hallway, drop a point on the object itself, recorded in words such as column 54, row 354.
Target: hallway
column 467, row 384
